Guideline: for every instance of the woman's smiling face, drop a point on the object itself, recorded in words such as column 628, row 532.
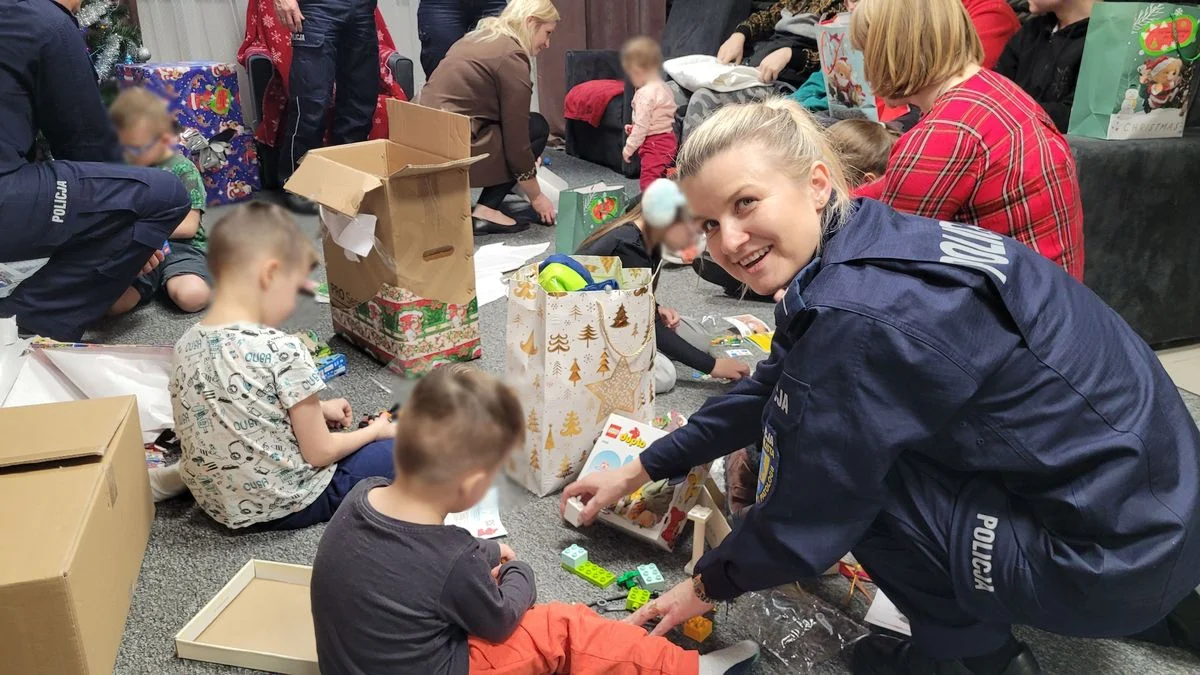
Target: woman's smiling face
column 763, row 225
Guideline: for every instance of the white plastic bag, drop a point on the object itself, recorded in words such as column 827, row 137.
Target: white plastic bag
column 13, row 273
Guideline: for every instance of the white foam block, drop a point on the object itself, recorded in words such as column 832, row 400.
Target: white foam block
column 574, row 511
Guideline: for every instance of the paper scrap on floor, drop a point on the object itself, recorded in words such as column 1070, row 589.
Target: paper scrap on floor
column 483, row 519
column 747, row 325
column 59, row 372
column 493, row 261
column 884, row 614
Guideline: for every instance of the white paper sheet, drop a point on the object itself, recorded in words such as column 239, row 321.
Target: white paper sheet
column 356, row 235
column 493, row 261
column 483, row 519
column 884, row 614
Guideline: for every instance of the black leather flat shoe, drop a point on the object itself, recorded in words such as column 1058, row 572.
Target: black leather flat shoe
column 879, row 654
column 484, row 226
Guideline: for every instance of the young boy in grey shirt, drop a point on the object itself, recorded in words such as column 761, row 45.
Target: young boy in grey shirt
column 396, row 591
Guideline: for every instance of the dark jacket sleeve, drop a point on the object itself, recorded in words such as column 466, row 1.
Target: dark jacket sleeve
column 66, row 100
column 854, row 395
column 473, row 600
column 1010, row 58
column 516, row 93
column 723, row 424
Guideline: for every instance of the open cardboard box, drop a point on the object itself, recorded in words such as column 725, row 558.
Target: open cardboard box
column 77, row 513
column 261, row 619
column 399, row 248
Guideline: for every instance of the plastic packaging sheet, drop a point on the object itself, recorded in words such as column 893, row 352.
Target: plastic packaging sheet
column 800, row 631
column 13, row 273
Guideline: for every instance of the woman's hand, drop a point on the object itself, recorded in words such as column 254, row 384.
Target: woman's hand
column 601, row 489
column 669, row 316
column 544, row 208
column 730, row 369
column 289, row 15
column 731, row 49
column 776, row 61
column 337, row 412
column 673, row 608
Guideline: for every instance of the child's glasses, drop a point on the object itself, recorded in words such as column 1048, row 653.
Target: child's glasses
column 139, row 150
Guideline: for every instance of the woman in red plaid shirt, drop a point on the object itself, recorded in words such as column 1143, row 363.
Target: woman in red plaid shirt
column 984, row 153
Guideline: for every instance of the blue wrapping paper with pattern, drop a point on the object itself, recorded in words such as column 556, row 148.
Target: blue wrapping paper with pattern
column 203, row 97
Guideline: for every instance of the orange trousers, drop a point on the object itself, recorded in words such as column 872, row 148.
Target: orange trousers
column 558, row 638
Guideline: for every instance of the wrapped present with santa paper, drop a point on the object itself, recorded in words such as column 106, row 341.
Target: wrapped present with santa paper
column 203, row 97
column 657, row 511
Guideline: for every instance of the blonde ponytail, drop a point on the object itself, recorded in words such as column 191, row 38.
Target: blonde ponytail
column 781, row 128
column 512, row 22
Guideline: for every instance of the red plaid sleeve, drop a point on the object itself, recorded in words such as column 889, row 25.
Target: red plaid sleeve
column 933, row 171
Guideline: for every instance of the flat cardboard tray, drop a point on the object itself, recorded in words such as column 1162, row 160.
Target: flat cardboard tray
column 261, row 619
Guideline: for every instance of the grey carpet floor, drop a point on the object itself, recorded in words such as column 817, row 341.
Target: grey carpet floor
column 189, row 558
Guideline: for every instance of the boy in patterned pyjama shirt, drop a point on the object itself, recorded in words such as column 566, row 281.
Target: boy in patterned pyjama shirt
column 257, row 443
column 147, row 133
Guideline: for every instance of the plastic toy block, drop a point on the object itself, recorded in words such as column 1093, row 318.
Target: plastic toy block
column 593, row 574
column 573, row 511
column 629, row 580
column 636, row 598
column 697, row 628
column 652, row 579
column 573, row 556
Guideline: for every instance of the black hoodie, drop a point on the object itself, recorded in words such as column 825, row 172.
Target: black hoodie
column 1045, row 63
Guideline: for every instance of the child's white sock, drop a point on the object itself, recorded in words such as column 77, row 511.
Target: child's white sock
column 732, row 660
column 165, row 482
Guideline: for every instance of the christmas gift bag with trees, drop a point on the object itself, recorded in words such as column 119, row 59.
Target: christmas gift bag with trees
column 203, row 97
column 657, row 511
column 574, row 359
column 582, row 211
column 1138, row 76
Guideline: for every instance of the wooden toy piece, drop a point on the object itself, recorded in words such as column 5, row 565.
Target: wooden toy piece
column 717, row 528
column 697, row 628
column 636, row 598
column 573, row 556
column 699, row 515
column 593, row 574
column 573, row 511
column 628, row 580
column 652, row 579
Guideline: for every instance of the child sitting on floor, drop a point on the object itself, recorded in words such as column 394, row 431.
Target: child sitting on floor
column 394, row 590
column 864, row 146
column 147, row 134
column 652, row 134
column 257, row 448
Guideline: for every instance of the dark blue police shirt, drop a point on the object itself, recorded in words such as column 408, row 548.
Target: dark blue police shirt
column 910, row 335
column 47, row 83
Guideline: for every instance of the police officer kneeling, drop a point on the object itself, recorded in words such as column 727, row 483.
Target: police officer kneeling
column 994, row 444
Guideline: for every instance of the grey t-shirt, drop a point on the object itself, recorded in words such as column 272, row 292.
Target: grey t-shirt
column 393, row 597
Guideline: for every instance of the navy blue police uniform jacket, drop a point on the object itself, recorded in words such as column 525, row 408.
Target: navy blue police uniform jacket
column 47, row 84
column 945, row 344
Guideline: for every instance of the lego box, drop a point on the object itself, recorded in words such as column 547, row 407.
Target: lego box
column 657, row 511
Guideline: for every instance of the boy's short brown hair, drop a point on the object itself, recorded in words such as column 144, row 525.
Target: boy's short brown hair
column 908, row 45
column 641, row 52
column 254, row 229
column 457, row 419
column 864, row 146
column 135, row 104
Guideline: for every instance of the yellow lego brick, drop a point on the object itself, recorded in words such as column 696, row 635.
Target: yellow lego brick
column 593, row 574
column 697, row 628
column 636, row 598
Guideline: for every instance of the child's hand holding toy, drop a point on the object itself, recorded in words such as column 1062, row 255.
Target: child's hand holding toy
column 338, row 414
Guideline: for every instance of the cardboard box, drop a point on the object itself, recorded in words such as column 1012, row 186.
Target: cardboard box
column 261, row 619
column 77, row 507
column 401, row 235
column 657, row 511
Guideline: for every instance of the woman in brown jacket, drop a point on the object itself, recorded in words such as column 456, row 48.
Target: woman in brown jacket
column 486, row 76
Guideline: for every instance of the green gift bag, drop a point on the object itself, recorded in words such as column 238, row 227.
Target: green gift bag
column 582, row 211
column 1137, row 79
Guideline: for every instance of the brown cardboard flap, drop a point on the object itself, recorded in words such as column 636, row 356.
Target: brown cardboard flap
column 43, row 433
column 438, row 132
column 326, row 180
column 410, row 170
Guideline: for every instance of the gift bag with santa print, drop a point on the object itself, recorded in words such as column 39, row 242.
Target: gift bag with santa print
column 845, row 76
column 1138, row 76
column 574, row 359
column 583, row 210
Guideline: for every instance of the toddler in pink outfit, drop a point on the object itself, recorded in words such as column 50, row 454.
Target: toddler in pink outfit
column 652, row 134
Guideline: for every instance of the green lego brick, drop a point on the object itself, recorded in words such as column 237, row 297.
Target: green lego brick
column 593, row 574
column 636, row 598
column 628, row 580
